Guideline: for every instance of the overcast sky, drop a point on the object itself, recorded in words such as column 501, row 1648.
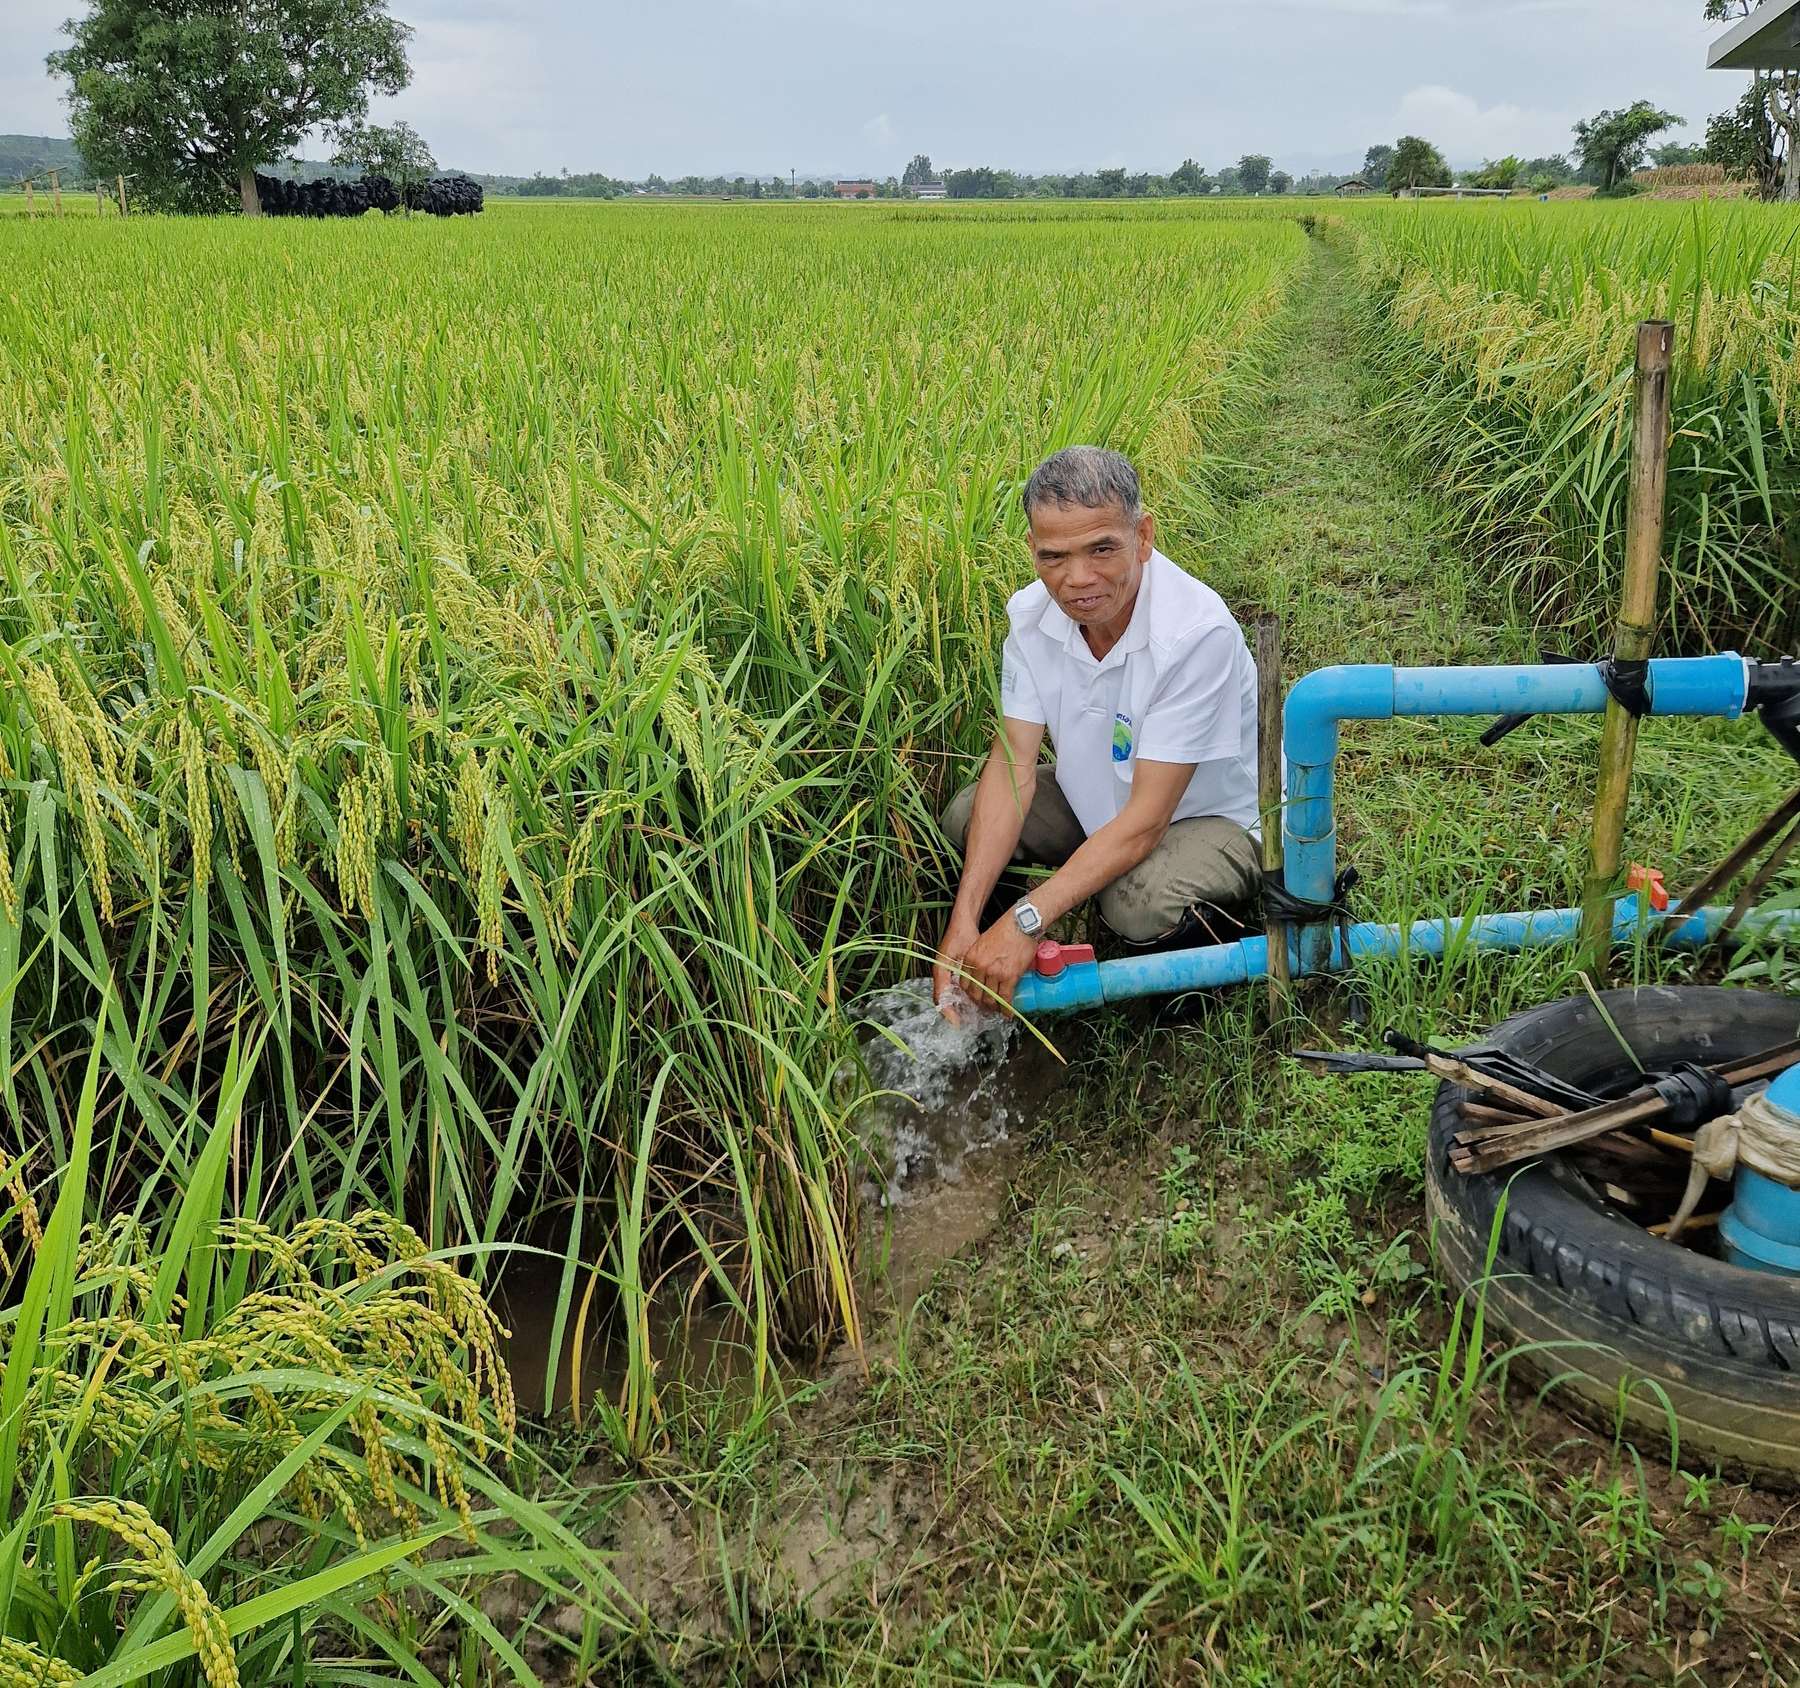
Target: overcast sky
column 854, row 87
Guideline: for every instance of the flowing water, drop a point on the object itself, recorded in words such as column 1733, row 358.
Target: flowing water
column 944, row 1129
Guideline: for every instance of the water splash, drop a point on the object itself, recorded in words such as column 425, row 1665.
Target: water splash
column 946, row 1087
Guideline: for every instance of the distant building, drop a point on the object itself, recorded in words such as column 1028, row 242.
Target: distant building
column 928, row 190
column 855, row 190
column 1355, row 185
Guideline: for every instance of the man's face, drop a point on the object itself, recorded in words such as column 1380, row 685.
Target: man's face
column 1091, row 560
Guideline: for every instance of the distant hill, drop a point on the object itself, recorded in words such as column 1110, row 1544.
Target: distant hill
column 31, row 155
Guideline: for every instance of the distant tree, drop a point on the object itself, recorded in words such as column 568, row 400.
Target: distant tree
column 1253, row 172
column 396, row 151
column 1611, row 144
column 1747, row 144
column 1280, row 181
column 1377, row 161
column 1674, row 152
column 191, row 97
column 1230, row 181
column 981, row 182
column 540, row 186
column 918, row 171
column 1416, row 164
column 1110, row 184
column 1497, row 173
column 1188, row 177
column 1552, row 171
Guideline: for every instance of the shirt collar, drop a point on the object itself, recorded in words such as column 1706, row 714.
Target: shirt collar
column 1058, row 627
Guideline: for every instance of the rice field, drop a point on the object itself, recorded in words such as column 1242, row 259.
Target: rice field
column 1506, row 335
column 476, row 702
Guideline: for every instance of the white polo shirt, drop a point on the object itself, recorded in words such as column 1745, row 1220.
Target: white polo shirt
column 1180, row 686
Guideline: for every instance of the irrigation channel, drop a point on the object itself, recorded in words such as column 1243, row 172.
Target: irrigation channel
column 1168, row 1387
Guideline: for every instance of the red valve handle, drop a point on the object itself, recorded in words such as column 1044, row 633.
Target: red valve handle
column 1650, row 881
column 1053, row 957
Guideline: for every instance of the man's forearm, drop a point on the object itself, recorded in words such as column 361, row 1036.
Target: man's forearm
column 1002, row 797
column 1115, row 849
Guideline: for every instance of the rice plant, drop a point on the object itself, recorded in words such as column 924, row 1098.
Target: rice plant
column 1505, row 334
column 223, row 1445
column 509, row 668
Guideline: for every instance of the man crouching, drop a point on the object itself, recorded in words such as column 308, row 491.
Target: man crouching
column 1149, row 693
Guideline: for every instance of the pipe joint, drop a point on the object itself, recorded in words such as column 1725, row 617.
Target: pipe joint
column 1361, row 691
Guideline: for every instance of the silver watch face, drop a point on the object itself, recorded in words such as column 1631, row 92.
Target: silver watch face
column 1029, row 921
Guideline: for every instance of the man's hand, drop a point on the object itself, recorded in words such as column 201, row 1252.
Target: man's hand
column 997, row 960
column 959, row 938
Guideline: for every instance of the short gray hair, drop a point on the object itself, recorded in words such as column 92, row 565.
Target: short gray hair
column 1088, row 475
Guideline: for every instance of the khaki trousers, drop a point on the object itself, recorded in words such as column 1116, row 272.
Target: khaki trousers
column 1202, row 867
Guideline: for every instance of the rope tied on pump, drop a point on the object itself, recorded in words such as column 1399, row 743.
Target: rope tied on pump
column 1761, row 1135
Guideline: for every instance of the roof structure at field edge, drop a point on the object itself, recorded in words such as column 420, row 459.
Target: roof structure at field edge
column 1769, row 39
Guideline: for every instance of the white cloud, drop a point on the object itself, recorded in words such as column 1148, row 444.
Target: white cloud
column 479, row 92
column 1462, row 128
column 879, row 130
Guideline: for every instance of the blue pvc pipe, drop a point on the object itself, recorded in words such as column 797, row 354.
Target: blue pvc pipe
column 1088, row 984
column 1703, row 685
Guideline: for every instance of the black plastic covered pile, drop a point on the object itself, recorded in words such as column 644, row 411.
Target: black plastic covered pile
column 441, row 196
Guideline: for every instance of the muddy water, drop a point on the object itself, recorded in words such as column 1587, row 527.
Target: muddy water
column 943, row 1136
column 944, row 1132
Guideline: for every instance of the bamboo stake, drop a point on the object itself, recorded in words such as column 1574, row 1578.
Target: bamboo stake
column 1268, row 797
column 123, row 212
column 30, row 200
column 1634, row 633
column 56, row 190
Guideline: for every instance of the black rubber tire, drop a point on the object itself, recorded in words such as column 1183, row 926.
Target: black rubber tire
column 1631, row 1314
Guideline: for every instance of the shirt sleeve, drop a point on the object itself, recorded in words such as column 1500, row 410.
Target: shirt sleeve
column 1019, row 699
column 1197, row 712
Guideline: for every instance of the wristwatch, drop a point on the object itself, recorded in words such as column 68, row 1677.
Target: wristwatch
column 1027, row 919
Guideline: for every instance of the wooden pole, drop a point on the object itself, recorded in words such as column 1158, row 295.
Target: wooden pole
column 30, row 200
column 56, row 190
column 1633, row 635
column 123, row 212
column 1268, row 793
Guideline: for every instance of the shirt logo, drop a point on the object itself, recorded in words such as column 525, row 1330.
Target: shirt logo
column 1121, row 743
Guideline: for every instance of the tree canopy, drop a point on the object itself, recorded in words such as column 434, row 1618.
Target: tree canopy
column 918, row 171
column 1612, row 144
column 398, row 152
column 1497, row 173
column 1377, row 161
column 1189, row 177
column 1253, row 172
column 1416, row 164
column 189, row 97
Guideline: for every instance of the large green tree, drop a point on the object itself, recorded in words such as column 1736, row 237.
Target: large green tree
column 1253, row 172
column 189, row 97
column 1416, row 164
column 918, row 171
column 1377, row 161
column 1612, row 144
